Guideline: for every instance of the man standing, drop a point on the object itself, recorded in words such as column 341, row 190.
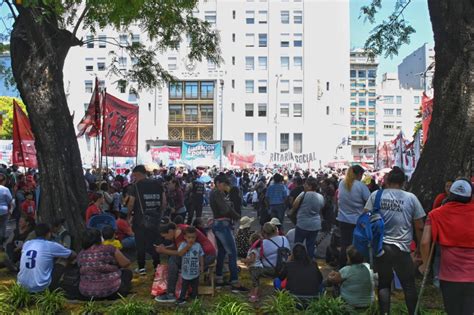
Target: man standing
column 147, row 202
column 276, row 197
column 196, row 199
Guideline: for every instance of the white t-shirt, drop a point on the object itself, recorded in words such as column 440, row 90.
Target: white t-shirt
column 399, row 209
column 270, row 250
column 257, row 263
column 36, row 263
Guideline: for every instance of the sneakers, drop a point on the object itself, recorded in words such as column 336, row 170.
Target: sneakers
column 141, row 272
column 166, row 298
column 180, row 302
column 239, row 289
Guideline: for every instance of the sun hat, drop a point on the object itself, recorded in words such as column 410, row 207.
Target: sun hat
column 245, row 222
column 275, row 221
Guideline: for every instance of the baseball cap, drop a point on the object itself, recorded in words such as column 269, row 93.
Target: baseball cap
column 461, row 188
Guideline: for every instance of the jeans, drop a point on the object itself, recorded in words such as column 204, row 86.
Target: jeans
column 225, row 245
column 347, row 230
column 144, row 241
column 128, row 242
column 3, row 227
column 195, row 208
column 174, row 264
column 458, row 297
column 310, row 238
column 278, row 211
column 401, row 262
column 194, row 284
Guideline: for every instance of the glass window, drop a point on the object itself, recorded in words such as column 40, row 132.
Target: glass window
column 249, row 86
column 416, row 99
column 250, row 17
column 210, row 17
column 362, row 103
column 297, row 110
column 388, row 111
column 298, row 142
column 207, row 113
column 371, row 83
column 285, row 17
column 233, row 14
column 123, row 39
column 399, row 99
column 298, row 62
column 284, row 110
column 191, row 113
column 89, row 68
column 371, row 103
column 285, row 40
column 284, row 142
column 298, row 17
column 248, row 110
column 190, row 133
column 285, row 86
column 285, row 63
column 172, row 63
column 175, row 113
column 399, row 111
column 388, row 99
column 102, row 41
column 122, row 61
column 233, row 37
column 262, row 40
column 298, row 40
column 249, row 63
column 262, row 63
column 262, row 86
column 89, row 39
column 211, row 65
column 135, row 39
column 297, row 87
column 191, row 89
column 353, row 73
column 249, row 40
column 176, row 90
column 249, row 141
column 361, row 74
column 262, row 17
column 134, row 60
column 262, row 141
column 233, row 60
column 88, row 86
column 132, row 95
column 372, row 73
column 207, row 90
column 262, row 110
column 122, row 86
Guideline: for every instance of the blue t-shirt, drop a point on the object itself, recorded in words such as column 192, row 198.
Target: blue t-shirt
column 36, row 263
column 190, row 261
column 351, row 203
column 276, row 194
column 5, row 199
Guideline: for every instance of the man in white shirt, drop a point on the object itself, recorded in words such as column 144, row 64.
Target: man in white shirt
column 37, row 264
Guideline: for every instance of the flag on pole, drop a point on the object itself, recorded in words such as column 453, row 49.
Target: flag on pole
column 426, row 112
column 24, row 151
column 90, row 123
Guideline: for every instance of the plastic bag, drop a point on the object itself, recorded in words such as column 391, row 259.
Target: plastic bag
column 160, row 282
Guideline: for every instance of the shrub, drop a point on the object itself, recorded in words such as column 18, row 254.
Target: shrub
column 33, row 311
column 195, row 308
column 15, row 296
column 91, row 308
column 327, row 305
column 232, row 305
column 50, row 302
column 131, row 306
column 281, row 303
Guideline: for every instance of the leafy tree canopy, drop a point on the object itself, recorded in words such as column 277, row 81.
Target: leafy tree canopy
column 6, row 110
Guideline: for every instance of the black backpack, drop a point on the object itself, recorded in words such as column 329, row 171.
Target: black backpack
column 283, row 255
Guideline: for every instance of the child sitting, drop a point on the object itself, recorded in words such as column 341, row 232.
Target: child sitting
column 124, row 231
column 108, row 234
column 243, row 236
column 253, row 262
column 356, row 280
column 28, row 206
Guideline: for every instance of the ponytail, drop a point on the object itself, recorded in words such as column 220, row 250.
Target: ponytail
column 352, row 173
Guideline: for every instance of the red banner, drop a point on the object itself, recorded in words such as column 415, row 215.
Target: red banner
column 120, row 128
column 242, row 161
column 165, row 153
column 426, row 112
column 24, row 151
column 90, row 123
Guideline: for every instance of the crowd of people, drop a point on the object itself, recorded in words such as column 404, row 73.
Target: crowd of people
column 160, row 213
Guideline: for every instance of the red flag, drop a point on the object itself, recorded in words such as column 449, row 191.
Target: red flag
column 426, row 112
column 24, row 152
column 120, row 128
column 90, row 123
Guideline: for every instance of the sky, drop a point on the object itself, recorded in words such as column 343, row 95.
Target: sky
column 416, row 13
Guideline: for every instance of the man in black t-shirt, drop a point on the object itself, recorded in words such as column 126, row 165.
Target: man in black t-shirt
column 147, row 202
column 196, row 199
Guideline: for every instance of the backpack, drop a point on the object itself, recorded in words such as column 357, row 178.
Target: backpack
column 368, row 233
column 283, row 255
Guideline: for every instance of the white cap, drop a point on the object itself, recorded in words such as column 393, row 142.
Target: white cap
column 461, row 188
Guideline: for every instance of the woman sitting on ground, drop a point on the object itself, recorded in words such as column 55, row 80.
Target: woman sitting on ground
column 102, row 273
column 14, row 244
column 303, row 276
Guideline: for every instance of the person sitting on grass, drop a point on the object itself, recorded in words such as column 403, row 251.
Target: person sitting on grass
column 192, row 264
column 124, row 231
column 356, row 280
column 108, row 234
column 14, row 244
column 243, row 236
column 254, row 263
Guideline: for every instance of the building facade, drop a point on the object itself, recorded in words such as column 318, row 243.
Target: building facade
column 5, row 61
column 278, row 89
column 417, row 69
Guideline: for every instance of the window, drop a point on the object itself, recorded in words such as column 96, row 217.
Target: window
column 262, row 141
column 285, row 63
column 298, row 40
column 327, row 86
column 297, row 110
column 233, row 14
column 249, row 63
column 416, row 99
column 388, row 111
column 262, row 86
column 233, row 37
column 175, row 113
column 298, row 17
column 132, row 95
column 176, row 90
column 399, row 99
column 285, row 86
column 250, row 17
column 371, row 83
column 133, row 60
column 123, row 39
column 248, row 110
column 298, row 62
column 298, row 142
column 122, row 61
column 399, row 111
column 191, row 113
column 285, row 40
column 190, row 133
column 211, row 65
column 297, row 87
column 248, row 141
column 89, row 66
column 249, row 86
column 361, row 74
column 88, row 86
column 89, row 39
column 327, row 111
column 388, row 99
column 362, row 103
column 122, row 86
column 207, row 113
column 233, row 83
column 102, row 41
column 249, row 40
column 210, row 17
column 191, row 89
column 262, row 110
column 233, row 60
column 388, row 126
column 135, row 39
column 284, row 110
column 172, row 63
column 285, row 17
column 353, row 73
column 262, row 40
column 262, row 17
column 284, row 142
column 262, row 63
column 372, row 73
column 207, row 90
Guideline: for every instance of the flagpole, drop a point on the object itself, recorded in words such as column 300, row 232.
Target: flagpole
column 138, row 128
column 104, row 139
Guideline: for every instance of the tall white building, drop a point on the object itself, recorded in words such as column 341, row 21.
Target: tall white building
column 285, row 80
column 417, row 69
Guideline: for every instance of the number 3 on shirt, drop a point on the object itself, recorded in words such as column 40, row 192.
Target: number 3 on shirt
column 31, row 254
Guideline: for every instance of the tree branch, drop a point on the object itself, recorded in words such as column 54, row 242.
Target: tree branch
column 11, row 8
column 79, row 21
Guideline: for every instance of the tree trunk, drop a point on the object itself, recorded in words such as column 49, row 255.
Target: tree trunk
column 449, row 151
column 38, row 49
